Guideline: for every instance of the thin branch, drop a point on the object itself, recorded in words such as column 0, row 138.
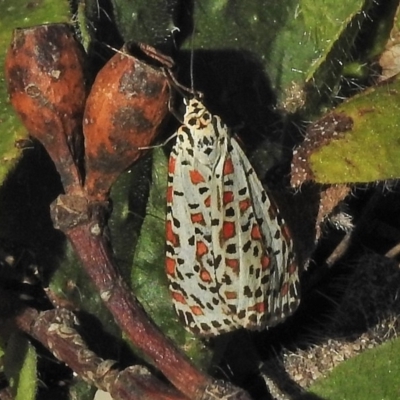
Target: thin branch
column 56, row 330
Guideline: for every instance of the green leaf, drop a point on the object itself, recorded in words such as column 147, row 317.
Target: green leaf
column 81, row 390
column 302, row 56
column 2, row 348
column 371, row 375
column 19, row 13
column 147, row 21
column 20, row 367
column 368, row 152
column 294, row 47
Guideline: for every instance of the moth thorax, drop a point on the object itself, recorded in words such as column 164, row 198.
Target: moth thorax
column 207, row 150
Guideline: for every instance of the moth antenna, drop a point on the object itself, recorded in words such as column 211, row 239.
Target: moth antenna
column 156, row 146
column 182, row 89
column 114, row 49
column 191, row 66
column 165, row 61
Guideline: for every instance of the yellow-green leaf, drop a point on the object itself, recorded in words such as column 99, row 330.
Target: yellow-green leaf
column 20, row 367
column 369, row 152
column 371, row 375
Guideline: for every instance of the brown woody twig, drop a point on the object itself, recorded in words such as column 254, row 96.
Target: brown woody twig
column 56, row 330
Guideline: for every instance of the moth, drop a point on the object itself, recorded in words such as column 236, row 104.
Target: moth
column 230, row 260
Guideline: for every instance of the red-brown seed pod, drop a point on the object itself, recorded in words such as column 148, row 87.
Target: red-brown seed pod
column 46, row 84
column 125, row 108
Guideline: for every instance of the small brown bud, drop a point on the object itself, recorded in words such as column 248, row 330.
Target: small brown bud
column 46, row 84
column 124, row 111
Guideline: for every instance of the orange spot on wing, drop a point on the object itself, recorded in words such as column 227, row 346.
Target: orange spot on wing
column 232, row 263
column 170, row 235
column 265, row 261
column 201, row 249
column 286, row 232
column 228, row 197
column 171, row 165
column 285, row 289
column 196, row 310
column 207, row 201
column 255, row 232
column 197, row 218
column 231, row 295
column 259, row 307
column 196, row 177
column 244, row 205
column 292, row 268
column 205, row 275
column 170, row 265
column 228, row 167
column 169, row 194
column 178, row 297
column 228, row 230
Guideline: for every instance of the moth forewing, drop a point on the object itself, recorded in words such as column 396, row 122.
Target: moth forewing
column 230, row 261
